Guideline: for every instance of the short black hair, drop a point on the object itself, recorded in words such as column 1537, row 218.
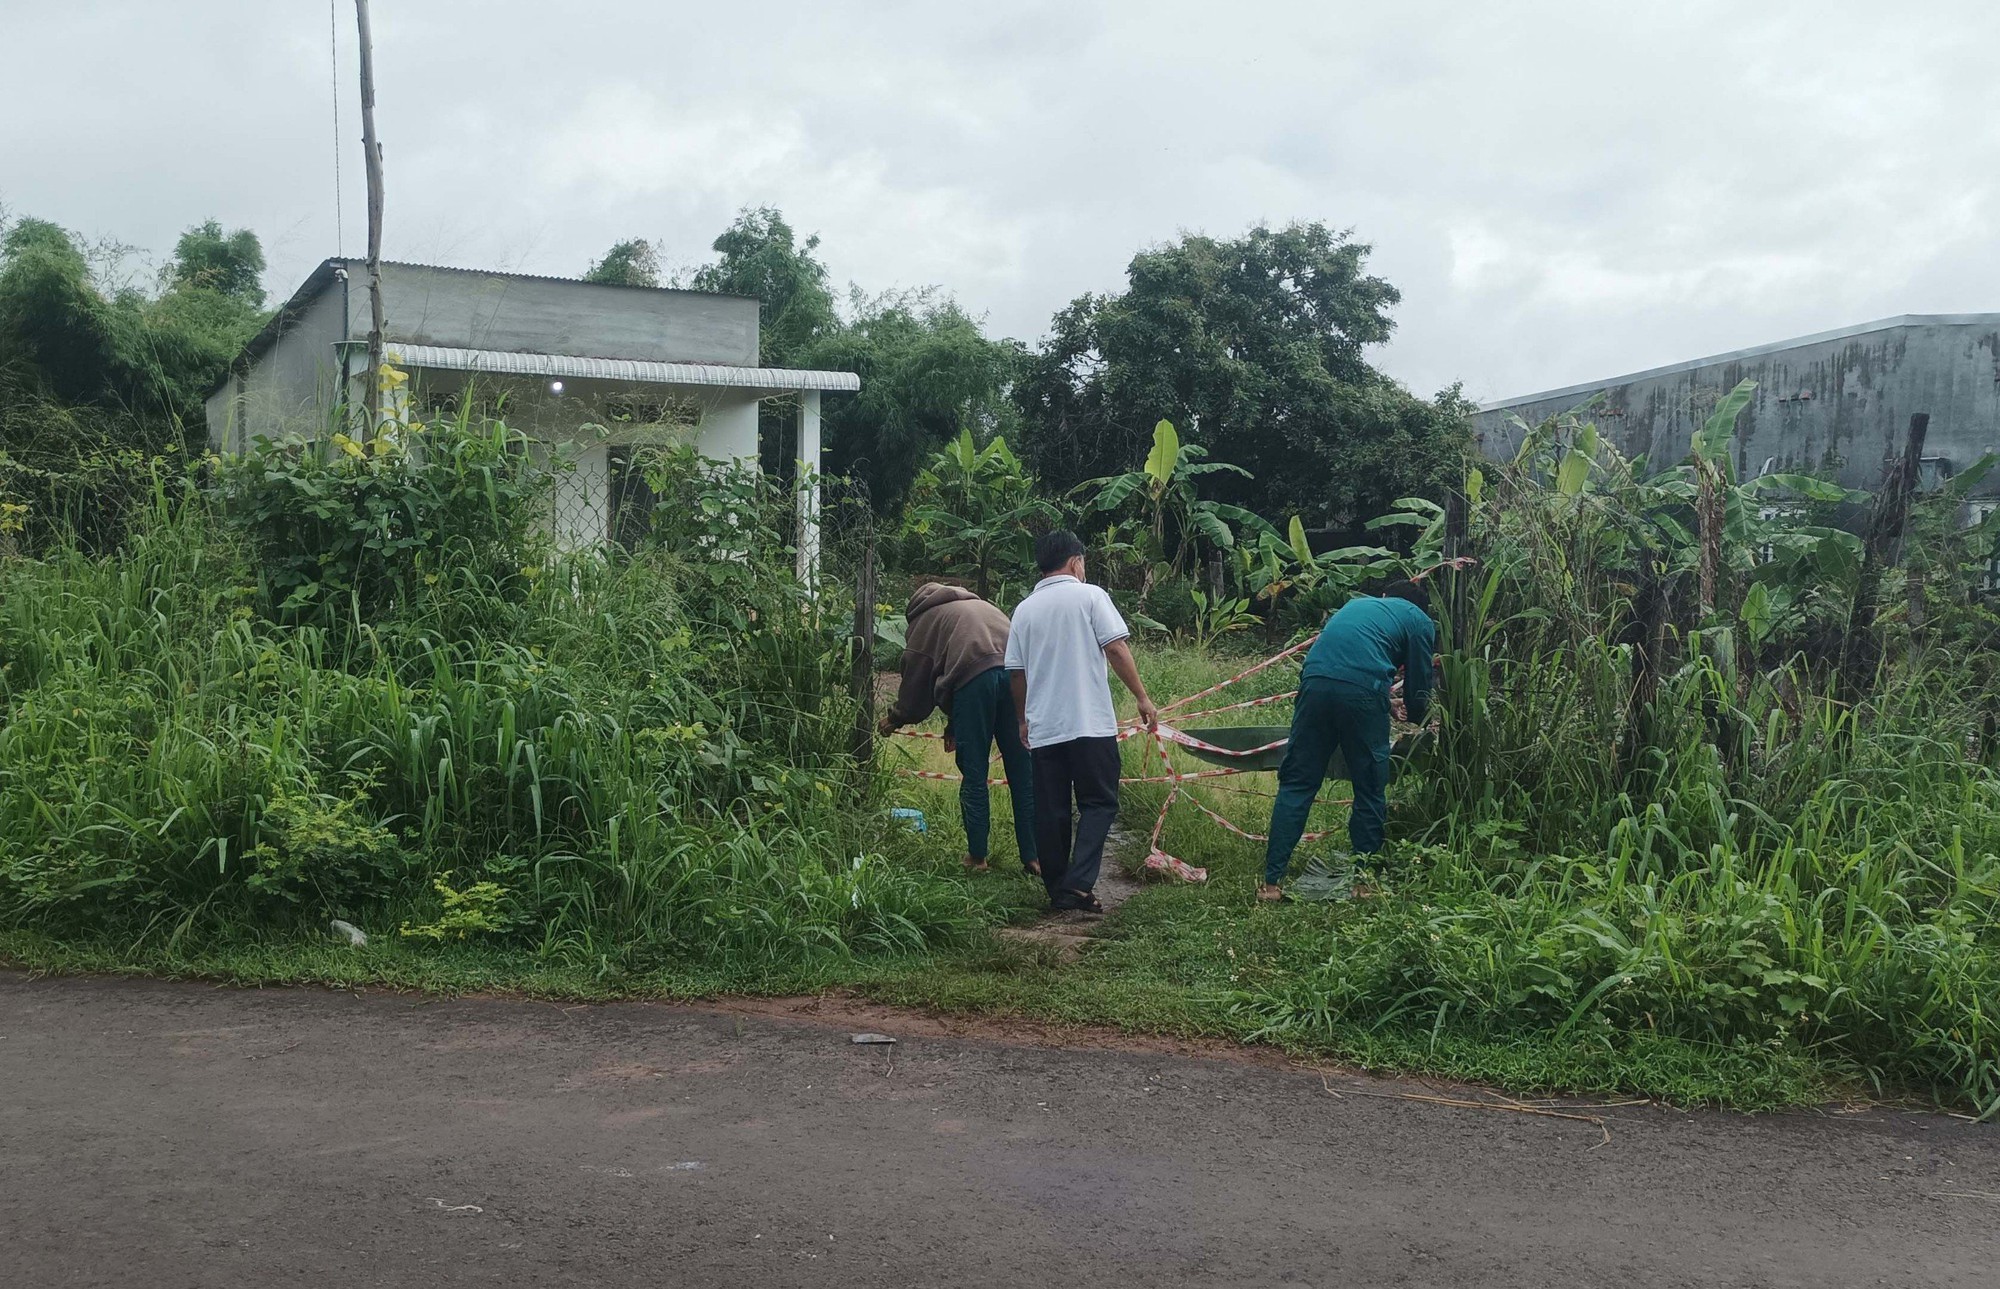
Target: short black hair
column 1053, row 550
column 1405, row 589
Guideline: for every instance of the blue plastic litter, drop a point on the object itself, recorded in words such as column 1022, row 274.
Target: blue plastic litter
column 914, row 818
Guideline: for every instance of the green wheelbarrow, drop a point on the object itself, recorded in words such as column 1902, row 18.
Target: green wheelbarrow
column 1262, row 747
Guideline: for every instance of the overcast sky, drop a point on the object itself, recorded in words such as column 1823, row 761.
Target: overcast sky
column 1563, row 190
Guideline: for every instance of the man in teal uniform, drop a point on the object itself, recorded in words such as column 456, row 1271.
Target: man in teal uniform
column 1343, row 705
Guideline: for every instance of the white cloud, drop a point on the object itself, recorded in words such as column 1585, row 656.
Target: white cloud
column 1563, row 189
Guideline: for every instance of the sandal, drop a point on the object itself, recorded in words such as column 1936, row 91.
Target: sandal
column 1079, row 902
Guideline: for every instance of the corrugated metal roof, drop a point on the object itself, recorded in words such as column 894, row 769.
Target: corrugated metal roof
column 630, row 370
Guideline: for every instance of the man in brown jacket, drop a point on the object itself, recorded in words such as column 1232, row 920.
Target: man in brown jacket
column 952, row 657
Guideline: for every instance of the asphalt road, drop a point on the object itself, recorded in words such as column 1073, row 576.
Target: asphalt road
column 182, row 1135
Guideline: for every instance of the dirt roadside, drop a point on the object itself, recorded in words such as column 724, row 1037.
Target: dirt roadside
column 174, row 1134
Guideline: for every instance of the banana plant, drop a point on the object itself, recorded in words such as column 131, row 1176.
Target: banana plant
column 1217, row 616
column 1167, row 517
column 1273, row 570
column 972, row 511
column 1695, row 518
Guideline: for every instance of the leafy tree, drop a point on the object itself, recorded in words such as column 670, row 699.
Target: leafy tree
column 928, row 374
column 632, row 262
column 57, row 331
column 927, row 370
column 1257, row 346
column 761, row 257
column 82, row 370
column 228, row 264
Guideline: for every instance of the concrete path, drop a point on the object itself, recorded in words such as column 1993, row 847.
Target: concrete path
column 182, row 1135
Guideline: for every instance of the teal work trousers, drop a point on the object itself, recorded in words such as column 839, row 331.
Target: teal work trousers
column 1331, row 716
column 982, row 714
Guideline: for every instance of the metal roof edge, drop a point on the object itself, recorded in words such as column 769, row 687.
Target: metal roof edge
column 1754, row 351
column 637, row 370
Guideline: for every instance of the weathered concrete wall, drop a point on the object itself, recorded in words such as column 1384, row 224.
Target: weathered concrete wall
column 1839, row 401
column 290, row 387
column 434, row 306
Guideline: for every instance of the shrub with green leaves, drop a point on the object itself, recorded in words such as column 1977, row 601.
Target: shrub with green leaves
column 349, row 531
column 615, row 765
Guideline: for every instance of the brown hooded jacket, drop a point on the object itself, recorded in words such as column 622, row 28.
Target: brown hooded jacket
column 953, row 636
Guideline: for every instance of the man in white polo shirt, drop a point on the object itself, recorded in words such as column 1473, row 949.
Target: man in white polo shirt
column 1064, row 635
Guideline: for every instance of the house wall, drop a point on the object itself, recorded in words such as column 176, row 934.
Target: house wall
column 434, row 306
column 729, row 432
column 1842, row 400
column 289, row 388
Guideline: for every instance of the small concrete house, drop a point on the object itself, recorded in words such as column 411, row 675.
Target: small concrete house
column 596, row 367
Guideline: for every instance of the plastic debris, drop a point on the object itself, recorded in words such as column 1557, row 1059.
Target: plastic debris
column 1326, row 880
column 872, row 1038
column 914, row 818
column 355, row 935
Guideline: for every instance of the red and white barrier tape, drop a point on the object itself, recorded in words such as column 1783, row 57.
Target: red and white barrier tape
column 1245, row 674
column 1265, row 701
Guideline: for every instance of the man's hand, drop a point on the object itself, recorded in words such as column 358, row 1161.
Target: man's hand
column 1024, row 731
column 1398, row 711
column 1119, row 654
column 950, row 741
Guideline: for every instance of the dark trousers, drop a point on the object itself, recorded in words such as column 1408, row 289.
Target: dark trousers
column 982, row 714
column 1086, row 770
column 1330, row 717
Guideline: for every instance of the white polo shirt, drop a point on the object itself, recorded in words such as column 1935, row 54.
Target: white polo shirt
column 1058, row 639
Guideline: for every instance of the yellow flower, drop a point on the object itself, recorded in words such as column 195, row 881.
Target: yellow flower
column 349, row 446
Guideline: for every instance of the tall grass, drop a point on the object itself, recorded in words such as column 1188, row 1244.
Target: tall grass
column 591, row 766
column 1631, row 831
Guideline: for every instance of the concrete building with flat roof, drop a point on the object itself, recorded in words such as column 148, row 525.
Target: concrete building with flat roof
column 591, row 368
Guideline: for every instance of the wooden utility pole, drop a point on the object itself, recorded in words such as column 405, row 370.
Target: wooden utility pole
column 372, row 386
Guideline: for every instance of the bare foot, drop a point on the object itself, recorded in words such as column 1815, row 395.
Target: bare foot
column 974, row 865
column 1269, row 894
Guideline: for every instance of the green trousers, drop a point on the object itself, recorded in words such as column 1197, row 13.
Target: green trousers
column 982, row 714
column 1330, row 716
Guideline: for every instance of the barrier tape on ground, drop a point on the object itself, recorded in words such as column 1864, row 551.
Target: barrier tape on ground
column 1186, row 739
column 945, row 777
column 1245, row 674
